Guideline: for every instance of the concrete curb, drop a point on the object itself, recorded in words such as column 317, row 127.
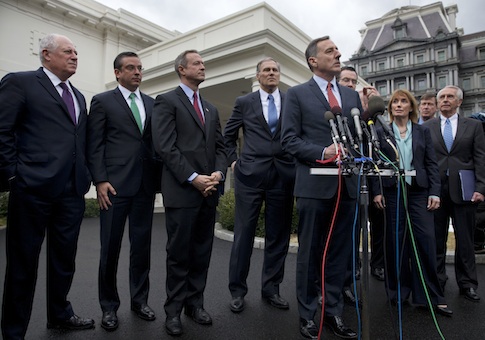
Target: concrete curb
column 227, row 235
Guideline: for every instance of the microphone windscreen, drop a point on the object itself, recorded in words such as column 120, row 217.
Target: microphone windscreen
column 336, row 110
column 355, row 112
column 329, row 115
column 376, row 105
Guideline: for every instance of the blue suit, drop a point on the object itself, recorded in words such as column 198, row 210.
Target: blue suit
column 305, row 134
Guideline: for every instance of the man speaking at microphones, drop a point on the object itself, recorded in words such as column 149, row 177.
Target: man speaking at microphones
column 307, row 136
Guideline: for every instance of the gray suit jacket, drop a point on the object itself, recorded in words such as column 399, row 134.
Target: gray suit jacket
column 467, row 152
column 186, row 146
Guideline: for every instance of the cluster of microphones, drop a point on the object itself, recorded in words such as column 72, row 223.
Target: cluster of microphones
column 364, row 125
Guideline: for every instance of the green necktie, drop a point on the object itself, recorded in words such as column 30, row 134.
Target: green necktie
column 136, row 112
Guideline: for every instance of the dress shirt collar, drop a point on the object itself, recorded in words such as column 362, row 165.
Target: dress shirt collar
column 55, row 79
column 126, row 93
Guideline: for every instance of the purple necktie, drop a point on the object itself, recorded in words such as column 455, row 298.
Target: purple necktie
column 67, row 97
column 197, row 108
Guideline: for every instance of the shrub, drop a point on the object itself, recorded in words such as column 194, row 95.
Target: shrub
column 92, row 208
column 225, row 211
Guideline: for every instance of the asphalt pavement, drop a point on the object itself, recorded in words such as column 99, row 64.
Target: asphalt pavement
column 257, row 321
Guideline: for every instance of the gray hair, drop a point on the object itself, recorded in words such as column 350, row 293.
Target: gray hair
column 181, row 60
column 459, row 92
column 264, row 60
column 50, row 43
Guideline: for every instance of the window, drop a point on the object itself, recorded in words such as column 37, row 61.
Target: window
column 401, row 85
column 381, row 65
column 482, row 82
column 481, row 53
column 442, row 82
column 421, row 84
column 400, row 62
column 466, row 84
column 419, row 58
column 363, row 70
column 441, row 55
column 382, row 90
column 399, row 33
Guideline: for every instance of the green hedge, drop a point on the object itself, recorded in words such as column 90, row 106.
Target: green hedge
column 225, row 214
column 92, row 207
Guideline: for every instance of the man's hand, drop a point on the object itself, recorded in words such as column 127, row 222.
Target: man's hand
column 433, row 203
column 379, row 201
column 477, row 197
column 102, row 190
column 207, row 184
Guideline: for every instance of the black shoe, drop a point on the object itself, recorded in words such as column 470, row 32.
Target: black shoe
column 109, row 321
column 237, row 304
column 337, row 326
column 173, row 326
column 144, row 312
column 277, row 301
column 378, row 273
column 444, row 310
column 199, row 315
column 73, row 323
column 308, row 329
column 349, row 297
column 470, row 294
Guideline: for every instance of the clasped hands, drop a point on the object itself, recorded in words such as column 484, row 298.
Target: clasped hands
column 207, row 184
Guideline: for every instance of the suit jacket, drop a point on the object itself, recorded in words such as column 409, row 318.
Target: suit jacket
column 40, row 145
column 117, row 151
column 305, row 133
column 424, row 161
column 186, row 146
column 261, row 147
column 467, row 152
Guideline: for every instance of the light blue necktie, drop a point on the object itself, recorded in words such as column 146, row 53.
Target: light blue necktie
column 272, row 114
column 448, row 135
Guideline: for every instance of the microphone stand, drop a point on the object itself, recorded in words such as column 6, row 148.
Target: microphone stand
column 348, row 169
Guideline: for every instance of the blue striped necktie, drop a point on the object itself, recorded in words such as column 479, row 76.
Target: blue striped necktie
column 448, row 135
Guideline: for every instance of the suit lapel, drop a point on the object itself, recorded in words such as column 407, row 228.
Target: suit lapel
column 190, row 108
column 435, row 127
column 257, row 109
column 319, row 94
column 122, row 102
column 50, row 88
column 460, row 131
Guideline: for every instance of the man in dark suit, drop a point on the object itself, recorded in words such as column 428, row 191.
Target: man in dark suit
column 307, row 136
column 464, row 151
column 120, row 158
column 42, row 154
column 263, row 172
column 187, row 135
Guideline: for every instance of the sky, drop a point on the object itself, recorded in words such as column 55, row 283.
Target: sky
column 340, row 19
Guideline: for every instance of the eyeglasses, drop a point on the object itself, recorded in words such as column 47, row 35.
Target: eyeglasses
column 348, row 80
column 131, row 68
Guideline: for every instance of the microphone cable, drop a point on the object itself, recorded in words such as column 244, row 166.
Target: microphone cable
column 327, row 242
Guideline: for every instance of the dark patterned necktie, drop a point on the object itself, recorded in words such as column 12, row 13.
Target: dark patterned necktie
column 67, row 97
column 197, row 108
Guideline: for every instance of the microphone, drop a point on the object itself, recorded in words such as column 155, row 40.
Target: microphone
column 376, row 109
column 337, row 111
column 355, row 113
column 349, row 133
column 330, row 118
column 373, row 133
